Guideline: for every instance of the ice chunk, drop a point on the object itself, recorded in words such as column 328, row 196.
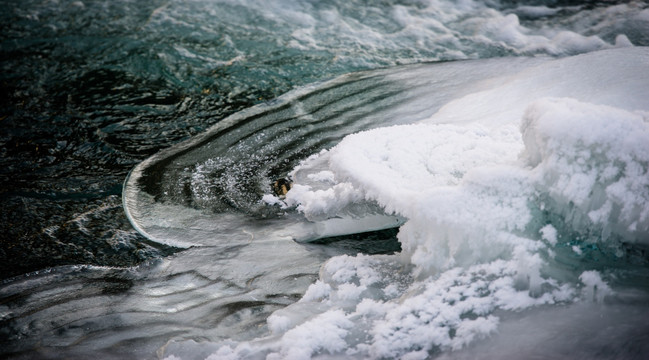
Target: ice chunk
column 593, row 162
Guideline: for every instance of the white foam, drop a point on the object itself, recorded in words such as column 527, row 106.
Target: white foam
column 390, row 34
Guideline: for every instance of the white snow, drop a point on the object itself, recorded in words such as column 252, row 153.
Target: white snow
column 549, row 234
column 568, row 137
column 595, row 288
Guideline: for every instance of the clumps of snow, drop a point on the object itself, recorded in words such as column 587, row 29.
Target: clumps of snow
column 549, row 234
column 478, row 238
column 433, row 157
column 319, row 204
column 322, row 176
column 451, row 310
column 470, row 242
column 317, row 292
column 595, row 289
column 444, row 312
column 315, row 192
column 325, row 332
column 593, row 162
column 270, row 199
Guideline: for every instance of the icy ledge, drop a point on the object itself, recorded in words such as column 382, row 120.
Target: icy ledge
column 501, row 190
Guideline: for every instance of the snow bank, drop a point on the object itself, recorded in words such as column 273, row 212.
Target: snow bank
column 592, row 161
column 493, row 186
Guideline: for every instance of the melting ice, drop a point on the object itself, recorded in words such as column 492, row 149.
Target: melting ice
column 509, row 193
column 519, row 184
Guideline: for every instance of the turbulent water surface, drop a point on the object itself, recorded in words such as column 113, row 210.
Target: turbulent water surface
column 469, row 179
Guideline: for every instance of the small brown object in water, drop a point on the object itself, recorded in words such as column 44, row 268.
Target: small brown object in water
column 281, row 187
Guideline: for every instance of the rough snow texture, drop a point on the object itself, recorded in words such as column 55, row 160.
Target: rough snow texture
column 593, row 163
column 492, row 186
